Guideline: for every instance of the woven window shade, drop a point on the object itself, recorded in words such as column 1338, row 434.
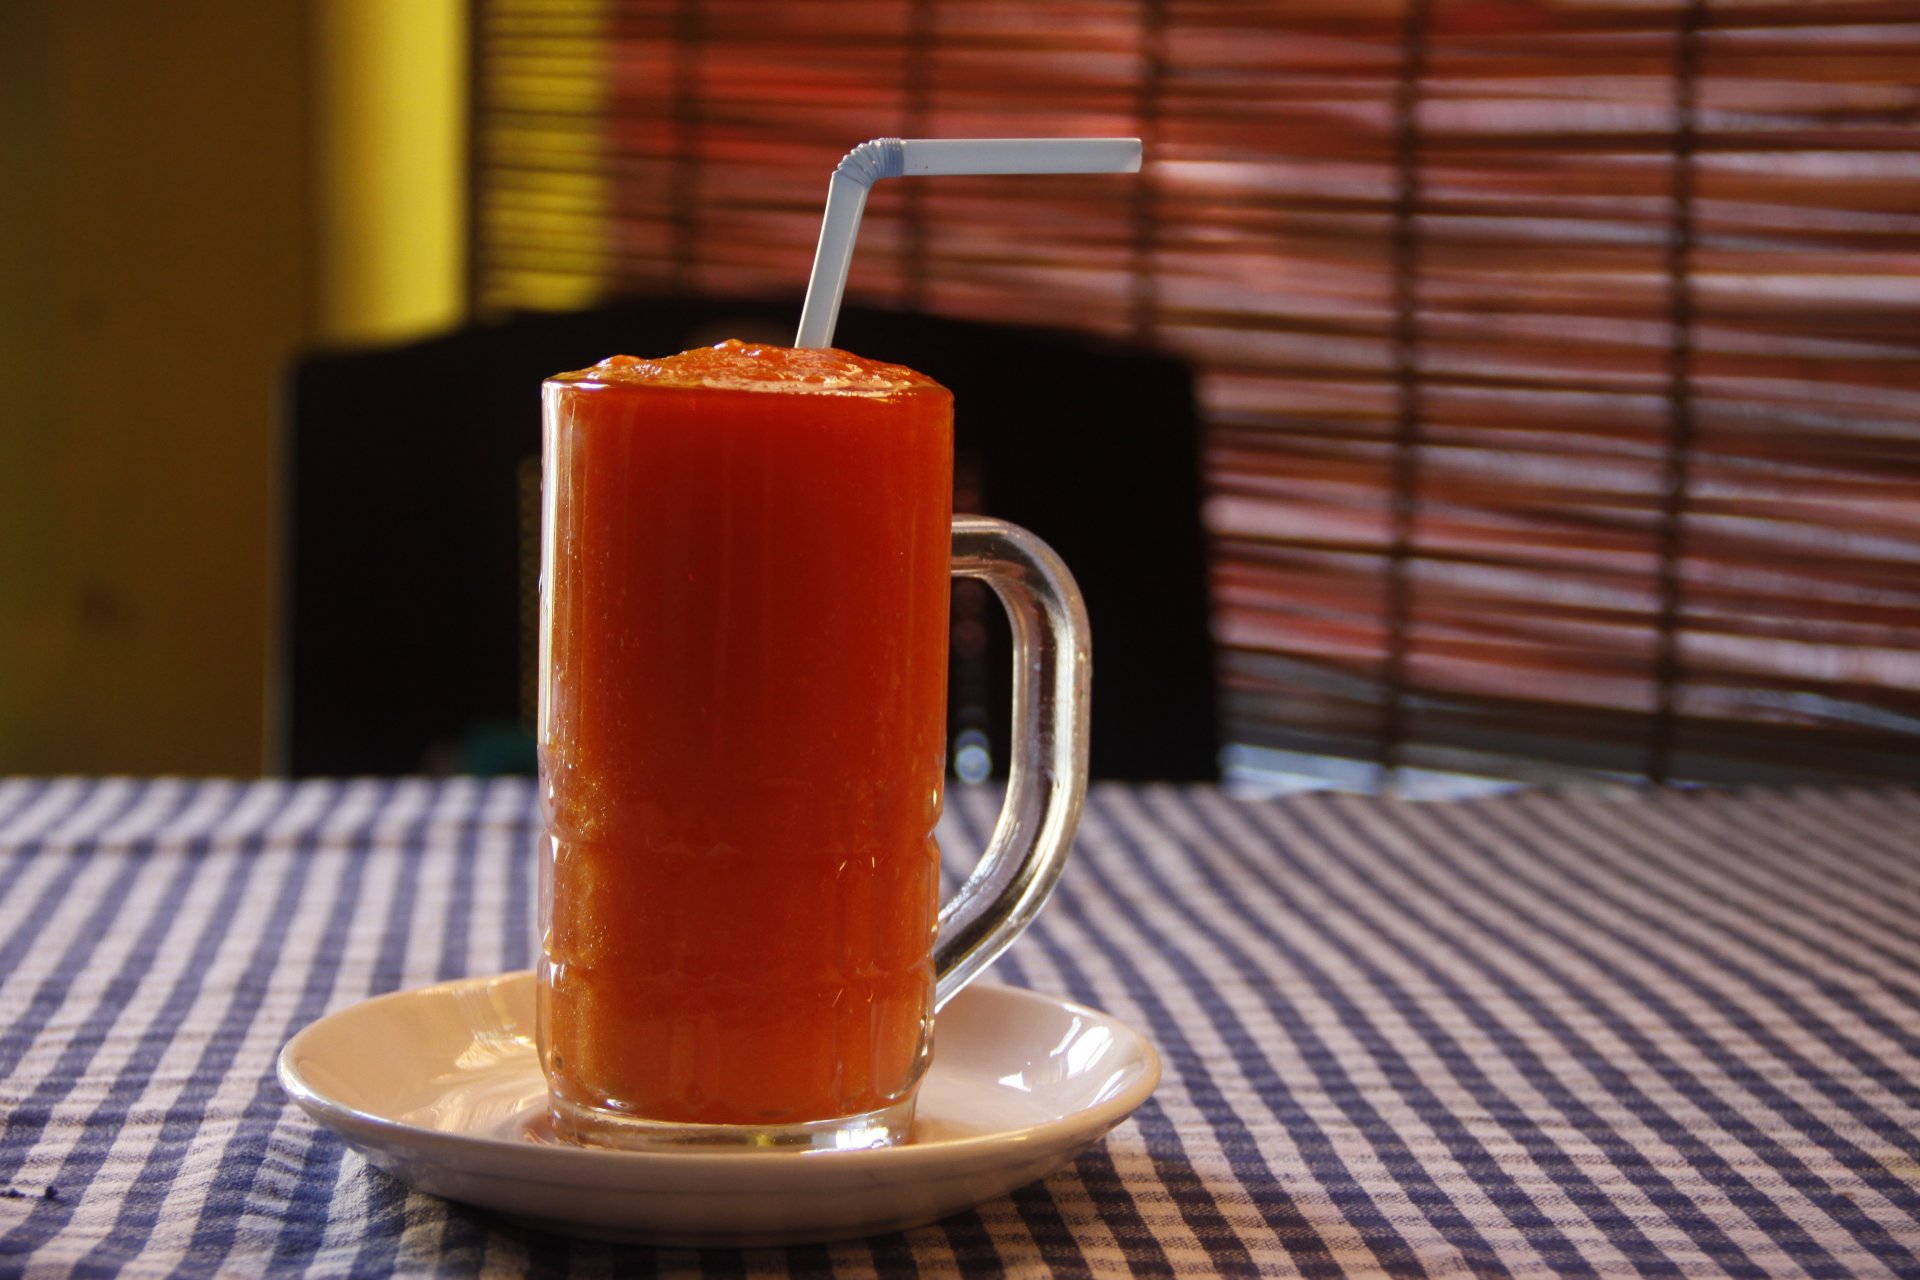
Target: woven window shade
column 1560, row 362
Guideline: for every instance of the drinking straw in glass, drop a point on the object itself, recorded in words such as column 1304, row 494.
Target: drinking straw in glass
column 881, row 158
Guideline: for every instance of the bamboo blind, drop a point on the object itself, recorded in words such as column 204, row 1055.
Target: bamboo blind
column 1559, row 360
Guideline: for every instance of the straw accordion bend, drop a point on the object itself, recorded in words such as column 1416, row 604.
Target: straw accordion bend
column 873, row 160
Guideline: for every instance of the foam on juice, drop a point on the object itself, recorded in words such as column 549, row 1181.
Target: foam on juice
column 734, row 365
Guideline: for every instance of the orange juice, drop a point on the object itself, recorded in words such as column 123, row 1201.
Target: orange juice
column 742, row 724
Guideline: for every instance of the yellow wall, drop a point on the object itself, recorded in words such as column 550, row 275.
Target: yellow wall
column 390, row 157
column 195, row 191
column 167, row 236
column 26, row 353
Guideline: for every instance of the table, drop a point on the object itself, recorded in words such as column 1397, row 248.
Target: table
column 1617, row 1032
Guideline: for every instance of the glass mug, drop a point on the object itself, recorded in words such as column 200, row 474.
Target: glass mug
column 742, row 722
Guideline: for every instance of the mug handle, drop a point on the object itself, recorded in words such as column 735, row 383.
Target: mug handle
column 1047, row 774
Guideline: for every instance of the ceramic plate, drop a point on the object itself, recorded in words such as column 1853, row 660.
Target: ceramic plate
column 441, row 1088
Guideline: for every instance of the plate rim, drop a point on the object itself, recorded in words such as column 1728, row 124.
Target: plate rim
column 349, row 1121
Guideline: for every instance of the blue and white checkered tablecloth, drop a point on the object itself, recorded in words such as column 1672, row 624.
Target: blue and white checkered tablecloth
column 1615, row 1033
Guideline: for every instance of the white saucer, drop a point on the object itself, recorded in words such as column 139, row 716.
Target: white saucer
column 441, row 1088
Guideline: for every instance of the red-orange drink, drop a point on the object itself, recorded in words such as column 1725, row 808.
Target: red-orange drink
column 744, row 634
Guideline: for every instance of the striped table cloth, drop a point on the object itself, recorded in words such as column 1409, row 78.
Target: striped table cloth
column 1611, row 1033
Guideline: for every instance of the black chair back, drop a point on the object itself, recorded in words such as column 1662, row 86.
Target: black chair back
column 412, row 529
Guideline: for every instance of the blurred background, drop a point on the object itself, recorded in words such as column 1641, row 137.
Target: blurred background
column 195, row 193
column 1556, row 365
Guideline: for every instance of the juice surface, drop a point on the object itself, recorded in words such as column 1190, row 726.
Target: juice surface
column 744, row 625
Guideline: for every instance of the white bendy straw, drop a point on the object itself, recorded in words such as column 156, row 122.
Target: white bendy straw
column 881, row 158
